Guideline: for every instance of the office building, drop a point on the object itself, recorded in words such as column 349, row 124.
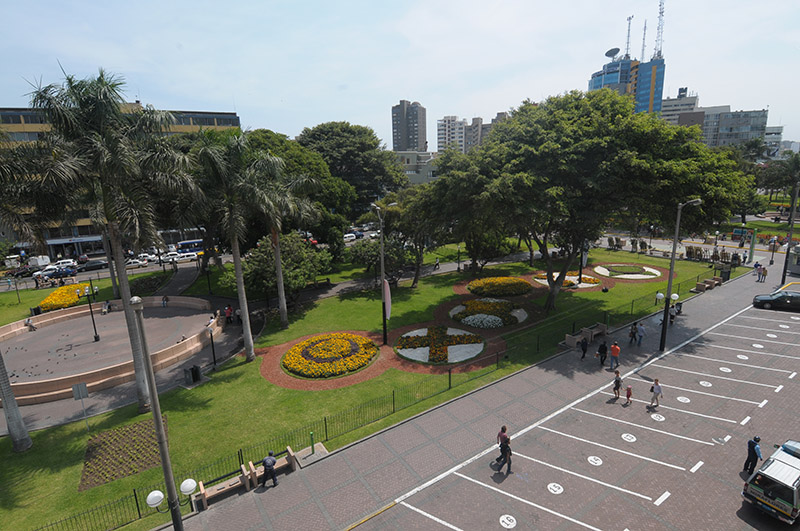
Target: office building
column 25, row 125
column 461, row 135
column 672, row 108
column 409, row 124
column 418, row 166
column 644, row 81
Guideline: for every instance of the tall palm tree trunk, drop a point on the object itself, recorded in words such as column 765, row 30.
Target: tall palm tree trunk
column 20, row 439
column 115, row 241
column 250, row 353
column 276, row 246
column 111, row 272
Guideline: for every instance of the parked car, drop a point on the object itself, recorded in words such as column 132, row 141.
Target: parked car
column 26, row 271
column 62, row 272
column 46, row 271
column 67, row 262
column 134, row 263
column 349, row 237
column 779, row 300
column 147, row 257
column 92, row 265
column 186, row 257
column 358, row 234
column 82, row 259
column 170, row 256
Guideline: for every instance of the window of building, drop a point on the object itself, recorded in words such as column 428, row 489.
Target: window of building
column 10, row 119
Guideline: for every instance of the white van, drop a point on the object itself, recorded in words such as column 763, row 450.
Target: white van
column 349, row 237
column 39, row 261
column 774, row 487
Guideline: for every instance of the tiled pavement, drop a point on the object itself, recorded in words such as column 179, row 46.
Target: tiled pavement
column 361, row 479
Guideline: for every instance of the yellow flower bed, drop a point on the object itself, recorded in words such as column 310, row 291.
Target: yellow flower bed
column 63, row 297
column 329, row 355
column 499, row 286
column 499, row 308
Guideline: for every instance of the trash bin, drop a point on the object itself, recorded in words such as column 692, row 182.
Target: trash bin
column 36, row 310
column 196, row 374
column 725, row 274
column 188, row 376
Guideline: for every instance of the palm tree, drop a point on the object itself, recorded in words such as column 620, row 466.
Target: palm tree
column 124, row 162
column 232, row 178
column 285, row 200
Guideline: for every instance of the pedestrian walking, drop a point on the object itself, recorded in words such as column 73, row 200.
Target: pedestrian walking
column 8, row 280
column 744, row 260
column 238, row 314
column 269, row 469
column 753, row 454
column 628, row 394
column 164, row 301
column 228, row 314
column 614, row 355
column 436, row 264
column 756, row 268
column 502, row 439
column 657, row 392
column 617, row 383
column 763, row 274
column 672, row 313
column 640, row 332
column 759, row 272
column 602, row 352
column 632, row 333
column 505, row 450
column 584, row 347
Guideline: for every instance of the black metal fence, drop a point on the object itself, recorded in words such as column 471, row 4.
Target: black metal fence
column 540, row 338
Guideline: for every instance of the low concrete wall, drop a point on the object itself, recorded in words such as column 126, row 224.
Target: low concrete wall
column 61, row 388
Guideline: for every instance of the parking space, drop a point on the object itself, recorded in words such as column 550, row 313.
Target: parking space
column 597, row 463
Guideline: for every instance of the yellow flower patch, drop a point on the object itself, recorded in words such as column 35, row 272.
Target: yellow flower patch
column 63, row 297
column 499, row 286
column 499, row 308
column 329, row 355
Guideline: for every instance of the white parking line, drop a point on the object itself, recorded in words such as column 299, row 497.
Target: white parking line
column 765, row 329
column 712, row 376
column 609, row 485
column 643, row 427
column 656, row 461
column 696, row 467
column 751, row 351
column 681, row 410
column 662, row 498
column 734, row 363
column 792, row 375
column 745, row 421
column 763, row 403
column 752, row 339
column 778, row 389
column 698, row 392
column 437, row 520
column 764, row 318
column 523, row 500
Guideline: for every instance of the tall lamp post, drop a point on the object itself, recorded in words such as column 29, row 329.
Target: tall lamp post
column 665, row 319
column 161, row 436
column 791, row 233
column 88, row 292
column 383, row 273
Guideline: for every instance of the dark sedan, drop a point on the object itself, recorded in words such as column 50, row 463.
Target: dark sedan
column 91, row 265
column 62, row 272
column 780, row 300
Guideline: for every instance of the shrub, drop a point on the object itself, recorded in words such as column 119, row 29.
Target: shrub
column 499, row 286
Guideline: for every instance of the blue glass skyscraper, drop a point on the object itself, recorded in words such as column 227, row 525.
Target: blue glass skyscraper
column 645, row 81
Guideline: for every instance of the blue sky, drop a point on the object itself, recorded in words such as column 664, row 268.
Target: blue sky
column 289, row 65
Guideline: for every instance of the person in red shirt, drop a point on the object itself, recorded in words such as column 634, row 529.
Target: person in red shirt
column 614, row 355
column 502, row 438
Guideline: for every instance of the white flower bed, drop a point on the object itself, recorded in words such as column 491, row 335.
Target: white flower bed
column 648, row 274
column 482, row 320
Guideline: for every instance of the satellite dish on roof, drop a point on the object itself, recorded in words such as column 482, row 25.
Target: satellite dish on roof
column 612, row 52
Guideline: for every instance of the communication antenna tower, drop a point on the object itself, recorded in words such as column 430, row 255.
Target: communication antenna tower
column 628, row 41
column 644, row 36
column 660, row 31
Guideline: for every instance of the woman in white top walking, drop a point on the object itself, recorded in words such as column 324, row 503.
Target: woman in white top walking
column 656, row 389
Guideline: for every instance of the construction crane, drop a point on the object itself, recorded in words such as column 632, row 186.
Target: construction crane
column 628, row 41
column 660, row 32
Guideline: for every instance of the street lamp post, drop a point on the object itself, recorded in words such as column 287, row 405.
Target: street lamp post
column 459, row 259
column 213, row 350
column 383, row 273
column 90, row 291
column 161, row 436
column 665, row 319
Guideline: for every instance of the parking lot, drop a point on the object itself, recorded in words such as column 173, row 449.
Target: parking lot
column 595, row 463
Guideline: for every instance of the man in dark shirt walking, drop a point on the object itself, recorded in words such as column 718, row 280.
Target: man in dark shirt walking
column 269, row 469
column 753, row 454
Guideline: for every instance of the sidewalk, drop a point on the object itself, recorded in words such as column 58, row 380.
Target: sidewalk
column 359, row 480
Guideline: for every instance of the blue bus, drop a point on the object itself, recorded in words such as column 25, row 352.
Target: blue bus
column 190, row 246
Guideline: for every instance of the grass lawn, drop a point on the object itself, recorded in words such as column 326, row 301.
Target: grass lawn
column 214, row 420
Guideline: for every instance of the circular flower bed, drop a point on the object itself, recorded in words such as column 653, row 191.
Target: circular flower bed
column 499, row 286
column 62, row 297
column 571, row 280
column 329, row 355
column 439, row 344
column 627, row 271
column 488, row 313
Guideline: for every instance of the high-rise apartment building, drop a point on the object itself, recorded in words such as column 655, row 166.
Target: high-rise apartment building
column 409, row 124
column 672, row 108
column 461, row 135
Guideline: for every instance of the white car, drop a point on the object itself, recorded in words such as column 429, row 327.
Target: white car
column 186, row 257
column 170, row 256
column 147, row 257
column 68, row 262
column 46, row 271
column 133, row 263
column 349, row 237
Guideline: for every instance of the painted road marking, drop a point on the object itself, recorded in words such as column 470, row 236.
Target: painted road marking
column 696, row 467
column 764, row 329
column 508, row 521
column 778, row 389
column 763, row 403
column 656, row 461
column 742, row 357
column 594, row 460
column 711, row 375
column 725, row 369
column 735, row 363
column 752, row 339
column 727, row 438
column 758, row 345
column 658, row 418
column 662, row 406
column 628, row 437
column 699, row 392
column 435, row 519
column 523, row 500
column 792, row 375
column 555, row 488
column 643, row 427
column 683, row 399
column 751, row 351
column 662, row 498
column 745, row 421
column 772, row 336
column 705, row 383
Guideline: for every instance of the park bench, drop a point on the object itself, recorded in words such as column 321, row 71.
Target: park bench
column 288, row 461
column 206, row 495
column 700, row 287
column 718, row 280
column 710, row 283
column 590, row 333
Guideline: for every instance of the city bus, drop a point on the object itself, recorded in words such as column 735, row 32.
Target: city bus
column 190, row 246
